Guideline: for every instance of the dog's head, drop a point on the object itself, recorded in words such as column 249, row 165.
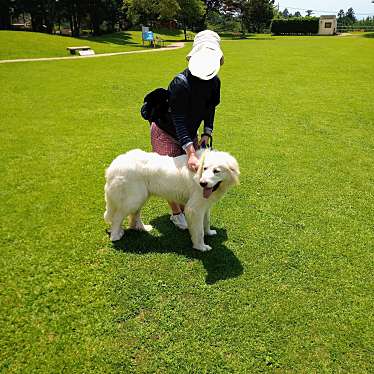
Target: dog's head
column 217, row 172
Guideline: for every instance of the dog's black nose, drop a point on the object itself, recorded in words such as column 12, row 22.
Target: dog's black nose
column 203, row 184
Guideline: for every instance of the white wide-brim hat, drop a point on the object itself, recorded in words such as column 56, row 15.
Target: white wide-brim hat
column 206, row 57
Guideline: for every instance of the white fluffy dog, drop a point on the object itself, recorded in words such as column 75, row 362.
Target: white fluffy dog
column 134, row 176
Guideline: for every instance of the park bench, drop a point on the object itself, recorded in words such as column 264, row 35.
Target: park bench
column 159, row 42
column 82, row 50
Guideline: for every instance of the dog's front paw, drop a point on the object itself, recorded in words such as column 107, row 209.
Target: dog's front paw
column 203, row 247
column 116, row 235
column 211, row 232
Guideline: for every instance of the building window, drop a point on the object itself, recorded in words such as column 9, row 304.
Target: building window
column 328, row 25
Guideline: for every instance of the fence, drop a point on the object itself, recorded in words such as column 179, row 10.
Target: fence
column 355, row 28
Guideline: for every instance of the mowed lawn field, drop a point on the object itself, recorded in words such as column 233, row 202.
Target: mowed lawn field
column 288, row 286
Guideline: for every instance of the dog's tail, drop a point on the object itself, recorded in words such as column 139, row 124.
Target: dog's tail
column 110, row 207
column 109, row 211
column 113, row 197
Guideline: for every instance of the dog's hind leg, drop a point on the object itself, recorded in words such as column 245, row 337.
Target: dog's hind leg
column 135, row 200
column 136, row 223
column 114, row 215
column 124, row 199
column 112, row 200
column 130, row 205
column 116, row 230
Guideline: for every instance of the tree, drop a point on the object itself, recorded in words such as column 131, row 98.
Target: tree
column 341, row 18
column 5, row 14
column 96, row 14
column 258, row 15
column 237, row 9
column 210, row 7
column 99, row 11
column 350, row 16
column 49, row 15
column 74, row 11
column 168, row 9
column 190, row 13
column 285, row 13
column 297, row 14
column 148, row 11
column 309, row 12
column 141, row 11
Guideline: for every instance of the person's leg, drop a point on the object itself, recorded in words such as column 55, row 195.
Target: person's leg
column 177, row 216
column 164, row 144
column 175, row 208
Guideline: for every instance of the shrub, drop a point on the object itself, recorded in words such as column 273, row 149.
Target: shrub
column 295, row 26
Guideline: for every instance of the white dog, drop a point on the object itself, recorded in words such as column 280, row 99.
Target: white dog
column 134, row 176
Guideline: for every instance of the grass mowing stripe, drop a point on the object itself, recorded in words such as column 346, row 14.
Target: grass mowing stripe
column 20, row 44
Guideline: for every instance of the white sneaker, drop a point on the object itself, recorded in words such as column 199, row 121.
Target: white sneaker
column 179, row 220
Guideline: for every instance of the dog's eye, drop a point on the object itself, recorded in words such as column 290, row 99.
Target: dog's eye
column 215, row 171
column 205, row 168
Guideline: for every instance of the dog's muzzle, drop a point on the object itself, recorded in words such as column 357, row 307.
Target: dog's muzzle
column 207, row 191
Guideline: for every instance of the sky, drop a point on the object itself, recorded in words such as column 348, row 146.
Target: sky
column 362, row 8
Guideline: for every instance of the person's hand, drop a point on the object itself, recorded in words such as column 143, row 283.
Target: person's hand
column 193, row 162
column 204, row 140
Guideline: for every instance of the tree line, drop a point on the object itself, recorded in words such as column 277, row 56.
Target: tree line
column 105, row 16
column 100, row 16
column 348, row 18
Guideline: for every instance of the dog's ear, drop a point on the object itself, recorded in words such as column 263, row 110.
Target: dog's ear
column 233, row 168
column 199, row 172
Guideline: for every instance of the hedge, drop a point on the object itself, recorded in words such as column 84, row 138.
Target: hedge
column 298, row 25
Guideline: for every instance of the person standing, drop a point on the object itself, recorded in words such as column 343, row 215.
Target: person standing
column 193, row 97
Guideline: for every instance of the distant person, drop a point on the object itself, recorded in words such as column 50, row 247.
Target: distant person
column 194, row 95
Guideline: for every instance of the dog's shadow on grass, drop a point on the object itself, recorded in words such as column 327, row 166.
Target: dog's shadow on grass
column 220, row 263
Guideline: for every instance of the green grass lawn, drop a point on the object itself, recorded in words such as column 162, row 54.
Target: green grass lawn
column 20, row 44
column 288, row 286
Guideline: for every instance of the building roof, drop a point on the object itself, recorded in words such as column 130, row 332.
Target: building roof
column 328, row 17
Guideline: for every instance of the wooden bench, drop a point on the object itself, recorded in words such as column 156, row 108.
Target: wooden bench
column 85, row 48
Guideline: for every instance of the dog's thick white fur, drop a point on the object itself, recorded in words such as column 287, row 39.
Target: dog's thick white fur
column 134, row 176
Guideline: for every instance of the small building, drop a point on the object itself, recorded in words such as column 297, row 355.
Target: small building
column 327, row 25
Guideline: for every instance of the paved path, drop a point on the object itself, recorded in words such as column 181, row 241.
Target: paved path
column 168, row 48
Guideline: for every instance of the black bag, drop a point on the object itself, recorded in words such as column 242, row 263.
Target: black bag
column 156, row 104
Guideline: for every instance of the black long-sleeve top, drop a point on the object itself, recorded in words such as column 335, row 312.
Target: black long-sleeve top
column 190, row 104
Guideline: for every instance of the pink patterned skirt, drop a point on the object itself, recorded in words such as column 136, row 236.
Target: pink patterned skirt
column 164, row 144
